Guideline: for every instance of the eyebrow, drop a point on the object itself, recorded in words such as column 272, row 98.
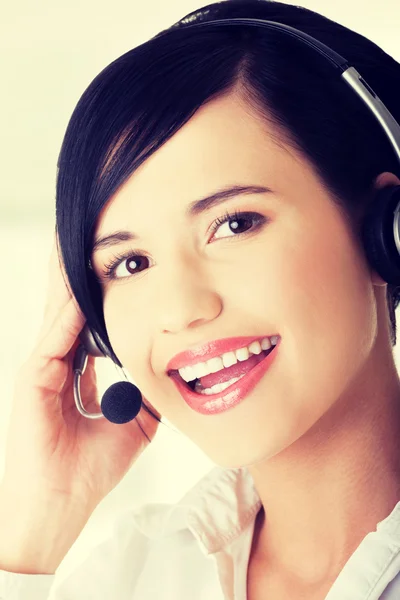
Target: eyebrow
column 194, row 209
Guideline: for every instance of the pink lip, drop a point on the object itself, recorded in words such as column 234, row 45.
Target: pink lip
column 235, row 393
column 210, row 350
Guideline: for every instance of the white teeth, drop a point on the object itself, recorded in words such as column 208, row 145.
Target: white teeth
column 215, row 389
column 242, row 354
column 265, row 344
column 227, row 359
column 190, row 373
column 215, row 364
column 200, row 370
column 255, row 347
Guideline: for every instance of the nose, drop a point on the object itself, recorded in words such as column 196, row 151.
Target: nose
column 189, row 297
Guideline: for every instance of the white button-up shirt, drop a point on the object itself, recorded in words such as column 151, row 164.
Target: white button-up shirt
column 199, row 549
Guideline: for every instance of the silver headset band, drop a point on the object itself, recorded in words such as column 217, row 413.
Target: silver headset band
column 352, row 77
column 80, row 363
column 78, row 400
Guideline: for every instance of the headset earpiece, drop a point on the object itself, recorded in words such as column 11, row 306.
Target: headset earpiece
column 378, row 234
column 93, row 343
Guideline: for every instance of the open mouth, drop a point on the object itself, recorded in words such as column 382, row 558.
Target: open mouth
column 244, row 368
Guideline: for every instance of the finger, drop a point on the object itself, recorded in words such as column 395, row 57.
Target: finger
column 59, row 293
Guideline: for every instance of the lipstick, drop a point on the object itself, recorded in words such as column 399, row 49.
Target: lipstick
column 234, row 394
column 209, row 350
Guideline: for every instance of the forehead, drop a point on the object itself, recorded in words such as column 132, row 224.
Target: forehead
column 225, row 142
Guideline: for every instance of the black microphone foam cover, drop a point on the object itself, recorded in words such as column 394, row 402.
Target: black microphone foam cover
column 121, row 402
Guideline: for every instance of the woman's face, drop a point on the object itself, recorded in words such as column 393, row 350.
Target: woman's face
column 295, row 271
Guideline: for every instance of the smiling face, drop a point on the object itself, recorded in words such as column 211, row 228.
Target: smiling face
column 292, row 267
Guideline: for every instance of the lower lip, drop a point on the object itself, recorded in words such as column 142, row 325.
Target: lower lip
column 216, row 403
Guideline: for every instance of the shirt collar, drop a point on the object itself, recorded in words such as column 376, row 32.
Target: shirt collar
column 217, row 509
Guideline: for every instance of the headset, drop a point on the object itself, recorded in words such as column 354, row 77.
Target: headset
column 380, row 230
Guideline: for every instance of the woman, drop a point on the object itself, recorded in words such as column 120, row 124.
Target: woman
column 236, row 167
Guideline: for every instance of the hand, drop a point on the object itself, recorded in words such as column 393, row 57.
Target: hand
column 51, row 448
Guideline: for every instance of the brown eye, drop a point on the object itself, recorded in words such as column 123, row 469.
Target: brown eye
column 125, row 265
column 133, row 265
column 237, row 223
column 137, row 263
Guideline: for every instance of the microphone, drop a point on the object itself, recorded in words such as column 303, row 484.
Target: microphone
column 120, row 403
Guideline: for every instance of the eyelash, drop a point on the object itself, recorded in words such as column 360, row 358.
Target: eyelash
column 110, row 268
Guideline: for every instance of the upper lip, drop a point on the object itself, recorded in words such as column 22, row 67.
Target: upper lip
column 204, row 352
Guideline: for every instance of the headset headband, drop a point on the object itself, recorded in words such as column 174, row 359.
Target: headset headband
column 349, row 74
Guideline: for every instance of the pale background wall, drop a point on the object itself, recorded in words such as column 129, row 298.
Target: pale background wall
column 49, row 54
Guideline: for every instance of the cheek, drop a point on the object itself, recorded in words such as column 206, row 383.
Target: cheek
column 334, row 287
column 326, row 302
column 315, row 291
column 126, row 331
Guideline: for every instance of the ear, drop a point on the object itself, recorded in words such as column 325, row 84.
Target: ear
column 383, row 180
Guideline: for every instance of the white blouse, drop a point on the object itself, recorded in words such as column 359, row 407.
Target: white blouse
column 199, row 549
